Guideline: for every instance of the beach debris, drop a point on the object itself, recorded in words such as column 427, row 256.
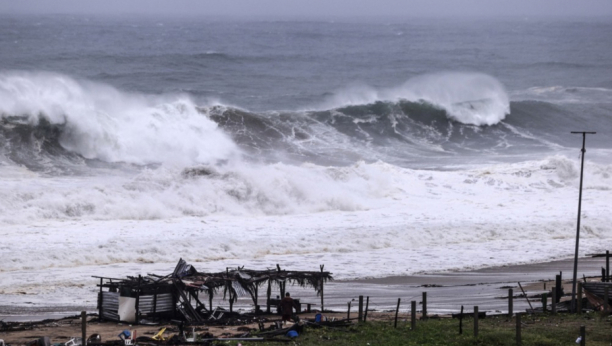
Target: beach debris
column 595, row 293
column 177, row 295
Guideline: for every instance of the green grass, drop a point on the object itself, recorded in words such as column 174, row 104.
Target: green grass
column 539, row 330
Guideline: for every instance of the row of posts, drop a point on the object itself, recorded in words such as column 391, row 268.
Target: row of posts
column 363, row 313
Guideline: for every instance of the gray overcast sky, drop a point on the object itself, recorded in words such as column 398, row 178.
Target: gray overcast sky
column 336, row 8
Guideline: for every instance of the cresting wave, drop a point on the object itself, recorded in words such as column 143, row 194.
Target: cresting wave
column 60, row 115
column 54, row 123
column 468, row 98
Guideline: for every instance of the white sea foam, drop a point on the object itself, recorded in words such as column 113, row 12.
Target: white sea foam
column 363, row 220
column 469, row 98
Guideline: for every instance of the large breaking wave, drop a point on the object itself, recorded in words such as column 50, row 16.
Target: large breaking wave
column 54, row 123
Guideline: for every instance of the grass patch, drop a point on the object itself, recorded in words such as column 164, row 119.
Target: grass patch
column 539, row 330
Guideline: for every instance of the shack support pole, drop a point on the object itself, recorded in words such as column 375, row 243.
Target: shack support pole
column 269, row 293
column 574, row 280
column 101, row 302
column 322, row 306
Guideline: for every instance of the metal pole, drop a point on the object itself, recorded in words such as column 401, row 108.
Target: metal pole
column 583, row 150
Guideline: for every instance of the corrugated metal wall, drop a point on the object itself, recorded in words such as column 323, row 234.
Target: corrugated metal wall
column 147, row 304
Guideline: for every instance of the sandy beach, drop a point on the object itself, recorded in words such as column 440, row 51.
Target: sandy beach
column 446, row 292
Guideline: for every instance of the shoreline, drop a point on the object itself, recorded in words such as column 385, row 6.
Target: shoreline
column 446, row 291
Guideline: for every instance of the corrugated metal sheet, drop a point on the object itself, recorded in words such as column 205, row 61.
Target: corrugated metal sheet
column 110, row 305
column 598, row 288
column 165, row 303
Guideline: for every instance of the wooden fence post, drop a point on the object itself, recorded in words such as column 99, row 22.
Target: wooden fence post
column 424, row 310
column 553, row 304
column 544, row 301
column 558, row 287
column 608, row 265
column 519, row 340
column 582, row 336
column 475, row 321
column 365, row 314
column 510, row 302
column 360, row 315
column 413, row 314
column 348, row 311
column 461, row 321
column 396, row 312
column 84, row 328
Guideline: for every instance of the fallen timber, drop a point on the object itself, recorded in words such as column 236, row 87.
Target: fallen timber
column 176, row 296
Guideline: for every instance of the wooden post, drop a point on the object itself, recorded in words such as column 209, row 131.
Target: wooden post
column 413, row 315
column 525, row 294
column 519, row 340
column 606, row 300
column 396, row 312
column 322, row 306
column 558, row 288
column 461, row 321
column 365, row 314
column 544, row 301
column 269, row 293
column 424, row 310
column 210, row 297
column 582, row 336
column 100, row 302
column 510, row 302
column 579, row 299
column 256, row 297
column 475, row 321
column 348, row 311
column 553, row 305
column 360, row 314
column 84, row 328
column 608, row 265
column 603, row 274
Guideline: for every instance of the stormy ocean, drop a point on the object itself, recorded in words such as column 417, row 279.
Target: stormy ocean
column 375, row 147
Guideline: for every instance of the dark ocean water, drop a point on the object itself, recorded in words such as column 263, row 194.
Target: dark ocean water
column 414, row 92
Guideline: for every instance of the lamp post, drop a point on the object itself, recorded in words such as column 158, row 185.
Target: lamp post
column 584, row 133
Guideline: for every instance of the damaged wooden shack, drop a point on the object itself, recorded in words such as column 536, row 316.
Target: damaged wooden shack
column 182, row 294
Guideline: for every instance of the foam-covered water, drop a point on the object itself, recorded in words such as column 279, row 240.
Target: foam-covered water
column 302, row 143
